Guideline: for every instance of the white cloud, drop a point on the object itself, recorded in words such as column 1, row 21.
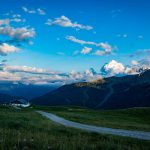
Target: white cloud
column 86, row 50
column 4, row 22
column 14, row 18
column 40, row 76
column 100, row 53
column 22, row 33
column 116, row 68
column 5, row 49
column 28, row 11
column 34, row 11
column 113, row 68
column 134, row 62
column 143, row 64
column 75, row 75
column 107, row 48
column 6, row 76
column 33, row 75
column 17, row 18
column 41, row 12
column 27, row 69
column 63, row 21
column 74, row 39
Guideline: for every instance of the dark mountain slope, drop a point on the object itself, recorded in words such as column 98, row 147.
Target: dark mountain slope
column 27, row 91
column 113, row 92
column 5, row 98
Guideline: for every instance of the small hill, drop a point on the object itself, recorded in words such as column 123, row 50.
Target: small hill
column 109, row 93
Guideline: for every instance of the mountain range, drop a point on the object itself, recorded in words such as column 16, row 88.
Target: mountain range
column 107, row 93
column 5, row 98
column 24, row 90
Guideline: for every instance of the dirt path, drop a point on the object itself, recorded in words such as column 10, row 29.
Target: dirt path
column 90, row 128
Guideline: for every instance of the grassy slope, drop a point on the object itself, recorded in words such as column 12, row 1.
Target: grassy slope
column 133, row 119
column 25, row 129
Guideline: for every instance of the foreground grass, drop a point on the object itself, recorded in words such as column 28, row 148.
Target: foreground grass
column 131, row 119
column 25, row 129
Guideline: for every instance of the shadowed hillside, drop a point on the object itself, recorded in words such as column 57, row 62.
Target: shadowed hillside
column 112, row 92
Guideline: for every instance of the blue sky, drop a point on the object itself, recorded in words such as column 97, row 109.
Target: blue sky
column 116, row 29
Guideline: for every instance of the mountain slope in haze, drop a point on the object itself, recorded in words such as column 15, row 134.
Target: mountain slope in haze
column 5, row 98
column 112, row 92
column 23, row 90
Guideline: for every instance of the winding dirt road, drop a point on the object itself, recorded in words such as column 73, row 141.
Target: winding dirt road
column 90, row 128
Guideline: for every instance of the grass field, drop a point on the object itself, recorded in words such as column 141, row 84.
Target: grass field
column 25, row 129
column 132, row 119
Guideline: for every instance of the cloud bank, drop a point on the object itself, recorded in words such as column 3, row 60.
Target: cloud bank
column 39, row 76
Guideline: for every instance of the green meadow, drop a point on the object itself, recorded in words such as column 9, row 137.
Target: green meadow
column 131, row 119
column 27, row 130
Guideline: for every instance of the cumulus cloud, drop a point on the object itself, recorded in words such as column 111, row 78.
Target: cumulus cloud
column 88, row 75
column 5, row 49
column 106, row 48
column 113, row 68
column 64, row 21
column 13, row 37
column 116, row 68
column 22, row 33
column 86, row 50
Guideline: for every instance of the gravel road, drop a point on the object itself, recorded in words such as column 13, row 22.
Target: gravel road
column 90, row 128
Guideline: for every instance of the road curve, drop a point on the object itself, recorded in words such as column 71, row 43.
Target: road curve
column 90, row 128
